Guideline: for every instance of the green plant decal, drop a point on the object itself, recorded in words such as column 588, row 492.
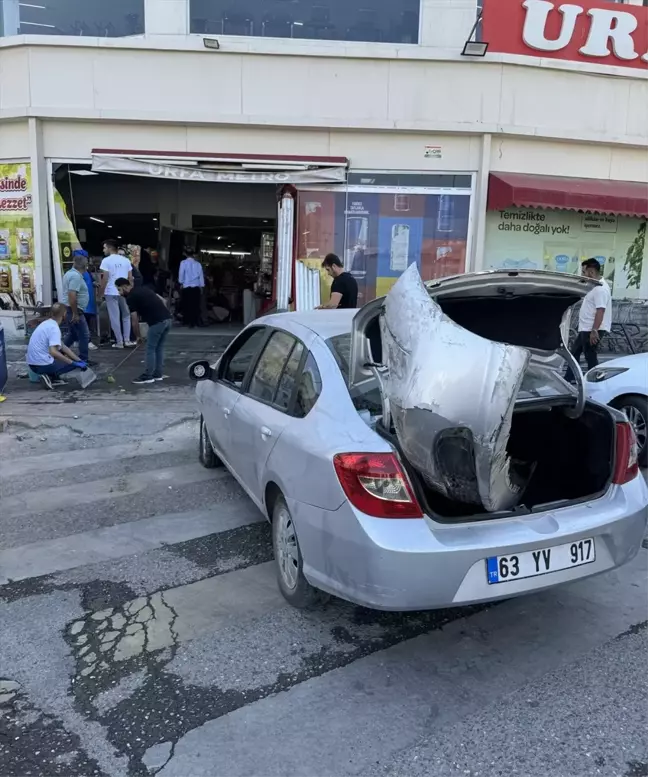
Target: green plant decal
column 634, row 257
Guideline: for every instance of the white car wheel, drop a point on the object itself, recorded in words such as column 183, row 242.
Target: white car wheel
column 206, row 454
column 292, row 583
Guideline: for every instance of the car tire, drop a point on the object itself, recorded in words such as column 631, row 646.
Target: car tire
column 635, row 408
column 294, row 587
column 206, row 454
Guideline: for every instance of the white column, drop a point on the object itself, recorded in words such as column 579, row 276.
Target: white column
column 479, row 206
column 9, row 17
column 42, row 253
column 166, row 17
column 446, row 24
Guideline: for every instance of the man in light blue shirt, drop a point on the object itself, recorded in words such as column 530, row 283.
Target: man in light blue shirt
column 77, row 298
column 192, row 280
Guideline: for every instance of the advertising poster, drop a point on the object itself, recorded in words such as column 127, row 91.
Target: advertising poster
column 555, row 240
column 17, row 261
column 378, row 235
column 67, row 239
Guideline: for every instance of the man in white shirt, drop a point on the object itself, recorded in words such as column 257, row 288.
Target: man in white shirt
column 46, row 355
column 192, row 280
column 594, row 319
column 113, row 267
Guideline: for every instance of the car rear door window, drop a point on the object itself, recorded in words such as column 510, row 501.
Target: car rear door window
column 310, row 387
column 268, row 372
column 289, row 377
column 238, row 361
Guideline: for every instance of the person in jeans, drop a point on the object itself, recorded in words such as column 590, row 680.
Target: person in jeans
column 594, row 318
column 91, row 310
column 112, row 267
column 152, row 310
column 46, row 355
column 76, row 297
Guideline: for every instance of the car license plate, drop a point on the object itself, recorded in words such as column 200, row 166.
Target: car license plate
column 516, row 566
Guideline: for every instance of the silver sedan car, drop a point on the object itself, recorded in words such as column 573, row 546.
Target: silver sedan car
column 420, row 453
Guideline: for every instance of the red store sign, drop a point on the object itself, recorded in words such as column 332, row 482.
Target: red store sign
column 592, row 31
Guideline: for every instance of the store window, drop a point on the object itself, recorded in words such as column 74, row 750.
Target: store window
column 379, row 229
column 381, row 21
column 559, row 240
column 95, row 18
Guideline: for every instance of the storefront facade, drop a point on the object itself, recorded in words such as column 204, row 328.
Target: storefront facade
column 422, row 128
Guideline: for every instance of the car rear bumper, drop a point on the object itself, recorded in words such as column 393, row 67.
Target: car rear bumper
column 419, row 565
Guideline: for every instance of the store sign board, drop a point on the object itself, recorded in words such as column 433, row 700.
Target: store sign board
column 17, row 269
column 155, row 169
column 593, row 31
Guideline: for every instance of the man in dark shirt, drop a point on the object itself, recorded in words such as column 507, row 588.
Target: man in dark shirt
column 344, row 291
column 152, row 310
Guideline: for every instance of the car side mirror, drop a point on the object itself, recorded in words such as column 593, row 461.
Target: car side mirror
column 201, row 371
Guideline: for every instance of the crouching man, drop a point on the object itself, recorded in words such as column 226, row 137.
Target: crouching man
column 46, row 355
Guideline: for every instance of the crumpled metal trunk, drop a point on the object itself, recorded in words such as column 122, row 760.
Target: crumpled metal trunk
column 452, row 395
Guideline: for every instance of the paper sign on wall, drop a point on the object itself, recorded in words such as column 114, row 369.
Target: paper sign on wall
column 433, row 152
column 600, row 222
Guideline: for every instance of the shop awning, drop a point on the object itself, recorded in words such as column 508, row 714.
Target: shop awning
column 221, row 168
column 623, row 198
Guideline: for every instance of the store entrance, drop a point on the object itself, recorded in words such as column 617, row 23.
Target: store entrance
column 230, row 228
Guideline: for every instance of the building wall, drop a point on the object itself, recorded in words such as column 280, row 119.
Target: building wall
column 127, row 82
column 380, row 105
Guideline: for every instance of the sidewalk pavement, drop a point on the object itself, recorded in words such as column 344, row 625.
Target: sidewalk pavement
column 183, row 348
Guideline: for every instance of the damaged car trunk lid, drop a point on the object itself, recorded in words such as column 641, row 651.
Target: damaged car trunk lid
column 451, row 358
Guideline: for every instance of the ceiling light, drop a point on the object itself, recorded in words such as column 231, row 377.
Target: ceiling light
column 226, row 253
column 83, row 172
column 211, row 43
column 154, row 219
column 31, row 5
column 94, row 218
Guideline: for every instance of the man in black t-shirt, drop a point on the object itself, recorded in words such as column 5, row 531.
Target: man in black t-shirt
column 344, row 291
column 152, row 310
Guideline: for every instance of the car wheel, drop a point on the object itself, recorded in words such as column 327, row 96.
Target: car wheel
column 635, row 408
column 292, row 583
column 206, row 454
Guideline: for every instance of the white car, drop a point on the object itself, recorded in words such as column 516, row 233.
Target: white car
column 623, row 383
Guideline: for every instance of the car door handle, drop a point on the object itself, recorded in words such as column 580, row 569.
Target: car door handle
column 265, row 432
column 226, row 412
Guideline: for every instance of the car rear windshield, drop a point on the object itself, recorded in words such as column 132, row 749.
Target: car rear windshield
column 366, row 397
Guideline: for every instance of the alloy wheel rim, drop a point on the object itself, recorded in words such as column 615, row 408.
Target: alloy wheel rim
column 287, row 550
column 638, row 423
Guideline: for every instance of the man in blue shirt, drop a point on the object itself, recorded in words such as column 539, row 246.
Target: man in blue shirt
column 192, row 281
column 76, row 297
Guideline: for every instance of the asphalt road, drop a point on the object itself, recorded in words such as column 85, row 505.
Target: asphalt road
column 142, row 632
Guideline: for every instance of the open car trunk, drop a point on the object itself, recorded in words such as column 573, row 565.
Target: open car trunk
column 568, row 460
column 469, row 397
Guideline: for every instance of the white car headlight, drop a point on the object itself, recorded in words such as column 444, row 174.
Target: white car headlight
column 599, row 374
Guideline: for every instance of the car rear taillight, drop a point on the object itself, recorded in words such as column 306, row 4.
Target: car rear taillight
column 626, row 465
column 376, row 484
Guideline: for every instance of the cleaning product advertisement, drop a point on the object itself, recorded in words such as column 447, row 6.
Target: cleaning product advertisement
column 378, row 235
column 558, row 240
column 17, row 264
